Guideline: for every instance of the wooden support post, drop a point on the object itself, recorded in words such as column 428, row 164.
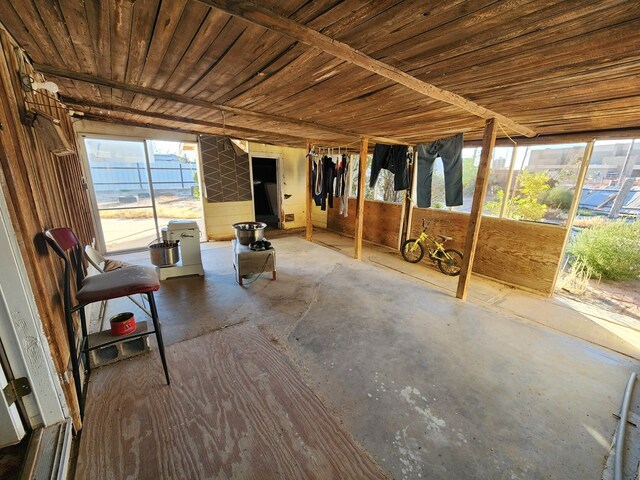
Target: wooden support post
column 362, row 175
column 507, row 187
column 575, row 202
column 308, row 199
column 475, row 217
column 407, row 206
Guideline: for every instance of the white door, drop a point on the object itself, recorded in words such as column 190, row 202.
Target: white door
column 23, row 343
column 11, row 427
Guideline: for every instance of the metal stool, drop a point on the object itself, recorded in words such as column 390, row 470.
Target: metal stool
column 97, row 288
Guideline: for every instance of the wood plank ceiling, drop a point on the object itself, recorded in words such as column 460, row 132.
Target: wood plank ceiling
column 554, row 66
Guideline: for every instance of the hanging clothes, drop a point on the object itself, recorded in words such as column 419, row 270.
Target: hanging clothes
column 338, row 176
column 343, row 183
column 317, row 185
column 450, row 151
column 328, row 177
column 317, row 198
column 394, row 159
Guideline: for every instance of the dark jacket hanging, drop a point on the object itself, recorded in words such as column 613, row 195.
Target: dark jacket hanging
column 317, row 198
column 394, row 159
column 329, row 175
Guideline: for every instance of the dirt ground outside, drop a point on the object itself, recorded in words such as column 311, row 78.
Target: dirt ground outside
column 169, row 205
column 621, row 297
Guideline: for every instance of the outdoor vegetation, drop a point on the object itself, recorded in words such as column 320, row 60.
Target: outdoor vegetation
column 557, row 198
column 525, row 203
column 609, row 250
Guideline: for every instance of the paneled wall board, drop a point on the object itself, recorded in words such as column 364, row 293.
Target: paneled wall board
column 381, row 221
column 42, row 191
column 523, row 254
column 225, row 170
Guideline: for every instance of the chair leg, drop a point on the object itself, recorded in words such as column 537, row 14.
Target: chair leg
column 85, row 334
column 140, row 305
column 102, row 313
column 156, row 327
column 75, row 364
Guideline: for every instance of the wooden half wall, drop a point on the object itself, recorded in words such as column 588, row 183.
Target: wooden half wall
column 42, row 191
column 522, row 254
column 381, row 221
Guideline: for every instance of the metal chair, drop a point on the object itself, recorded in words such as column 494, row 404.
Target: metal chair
column 104, row 265
column 106, row 286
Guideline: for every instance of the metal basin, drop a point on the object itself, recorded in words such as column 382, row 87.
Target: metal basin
column 249, row 232
column 164, row 254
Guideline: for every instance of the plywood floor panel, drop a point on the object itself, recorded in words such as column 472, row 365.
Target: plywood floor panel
column 235, row 409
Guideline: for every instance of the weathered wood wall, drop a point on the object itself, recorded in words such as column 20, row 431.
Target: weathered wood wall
column 523, row 254
column 42, row 191
column 381, row 221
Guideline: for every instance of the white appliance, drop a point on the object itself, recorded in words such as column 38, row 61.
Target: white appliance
column 187, row 233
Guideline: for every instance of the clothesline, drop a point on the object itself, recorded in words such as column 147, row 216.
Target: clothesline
column 334, row 147
column 503, row 131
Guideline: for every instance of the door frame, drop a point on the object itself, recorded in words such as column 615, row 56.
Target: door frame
column 157, row 136
column 93, row 202
column 279, row 181
column 23, row 338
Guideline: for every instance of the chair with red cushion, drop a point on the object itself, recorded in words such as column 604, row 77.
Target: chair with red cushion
column 96, row 288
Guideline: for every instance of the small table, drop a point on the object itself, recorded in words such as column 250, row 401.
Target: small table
column 247, row 261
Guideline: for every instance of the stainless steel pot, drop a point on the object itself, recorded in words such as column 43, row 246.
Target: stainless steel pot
column 164, row 254
column 249, row 232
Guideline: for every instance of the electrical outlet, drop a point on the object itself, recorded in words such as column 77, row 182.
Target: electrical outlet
column 289, row 217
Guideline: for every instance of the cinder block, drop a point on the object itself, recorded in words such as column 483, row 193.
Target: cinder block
column 124, row 348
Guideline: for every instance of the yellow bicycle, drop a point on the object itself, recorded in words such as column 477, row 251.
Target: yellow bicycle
column 449, row 260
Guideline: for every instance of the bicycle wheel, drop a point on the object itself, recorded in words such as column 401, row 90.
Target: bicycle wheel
column 411, row 254
column 452, row 263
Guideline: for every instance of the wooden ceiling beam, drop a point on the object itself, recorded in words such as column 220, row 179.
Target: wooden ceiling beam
column 251, row 12
column 278, row 140
column 174, row 97
column 222, row 129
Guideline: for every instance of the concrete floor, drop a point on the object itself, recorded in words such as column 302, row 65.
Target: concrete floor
column 432, row 387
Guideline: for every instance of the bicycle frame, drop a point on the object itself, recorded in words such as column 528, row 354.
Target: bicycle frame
column 439, row 247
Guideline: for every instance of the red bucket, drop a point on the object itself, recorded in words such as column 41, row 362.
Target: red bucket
column 122, row 324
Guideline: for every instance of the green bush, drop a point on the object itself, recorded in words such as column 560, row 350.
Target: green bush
column 557, row 197
column 524, row 204
column 611, row 251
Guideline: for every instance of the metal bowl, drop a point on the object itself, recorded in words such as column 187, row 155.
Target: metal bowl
column 164, row 254
column 249, row 232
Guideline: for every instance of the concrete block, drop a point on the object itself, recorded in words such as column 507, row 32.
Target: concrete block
column 125, row 347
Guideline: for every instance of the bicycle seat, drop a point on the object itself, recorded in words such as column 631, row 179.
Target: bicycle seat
column 444, row 238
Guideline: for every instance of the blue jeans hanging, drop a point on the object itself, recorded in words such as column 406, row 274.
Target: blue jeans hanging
column 450, row 151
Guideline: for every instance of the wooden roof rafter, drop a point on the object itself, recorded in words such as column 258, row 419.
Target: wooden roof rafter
column 554, row 68
column 88, row 109
column 174, row 97
column 251, row 12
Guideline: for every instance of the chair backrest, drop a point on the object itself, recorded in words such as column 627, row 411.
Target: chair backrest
column 65, row 243
column 95, row 257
